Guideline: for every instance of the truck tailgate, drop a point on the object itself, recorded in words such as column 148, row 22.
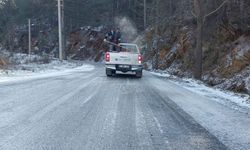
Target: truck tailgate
column 124, row 58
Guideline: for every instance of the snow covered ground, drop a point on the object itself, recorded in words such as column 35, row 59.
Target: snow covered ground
column 224, row 114
column 34, row 70
column 21, row 66
column 228, row 98
column 165, row 112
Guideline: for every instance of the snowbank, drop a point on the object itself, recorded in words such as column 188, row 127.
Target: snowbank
column 23, row 67
column 220, row 112
column 49, row 70
column 221, row 96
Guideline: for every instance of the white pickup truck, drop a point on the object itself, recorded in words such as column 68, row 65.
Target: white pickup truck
column 126, row 58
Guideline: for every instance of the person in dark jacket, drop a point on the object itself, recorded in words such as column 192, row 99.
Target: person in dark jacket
column 117, row 36
column 114, row 37
column 110, row 36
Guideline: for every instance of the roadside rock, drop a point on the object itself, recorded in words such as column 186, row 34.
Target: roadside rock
column 3, row 62
column 86, row 43
column 247, row 83
column 234, row 70
column 240, row 82
column 241, row 54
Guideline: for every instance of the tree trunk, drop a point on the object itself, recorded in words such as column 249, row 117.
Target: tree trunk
column 242, row 15
column 157, row 35
column 114, row 12
column 198, row 51
column 145, row 14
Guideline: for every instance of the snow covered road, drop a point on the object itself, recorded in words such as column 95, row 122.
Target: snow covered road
column 84, row 109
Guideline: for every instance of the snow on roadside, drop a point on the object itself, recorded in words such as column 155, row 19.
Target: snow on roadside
column 218, row 95
column 33, row 70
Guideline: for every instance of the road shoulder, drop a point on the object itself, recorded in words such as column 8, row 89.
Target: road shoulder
column 229, row 125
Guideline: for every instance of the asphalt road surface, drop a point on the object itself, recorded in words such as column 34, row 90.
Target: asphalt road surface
column 89, row 111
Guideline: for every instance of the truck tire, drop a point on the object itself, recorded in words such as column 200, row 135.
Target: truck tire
column 138, row 74
column 110, row 72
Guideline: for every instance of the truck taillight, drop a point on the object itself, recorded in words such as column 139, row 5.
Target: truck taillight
column 107, row 57
column 140, row 59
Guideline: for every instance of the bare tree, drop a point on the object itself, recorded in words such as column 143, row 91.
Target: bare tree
column 198, row 51
column 156, row 47
column 201, row 18
column 145, row 13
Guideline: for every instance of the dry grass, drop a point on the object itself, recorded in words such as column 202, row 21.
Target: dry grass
column 3, row 63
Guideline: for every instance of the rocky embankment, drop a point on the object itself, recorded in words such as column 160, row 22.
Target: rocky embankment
column 226, row 66
column 233, row 73
column 87, row 43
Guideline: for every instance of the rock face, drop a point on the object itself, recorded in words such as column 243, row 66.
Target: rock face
column 241, row 54
column 240, row 82
column 87, row 44
column 226, row 66
column 3, row 62
column 247, row 83
column 82, row 43
column 234, row 71
column 44, row 37
column 237, row 59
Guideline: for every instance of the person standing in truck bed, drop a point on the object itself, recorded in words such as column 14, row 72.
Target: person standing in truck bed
column 117, row 36
column 114, row 37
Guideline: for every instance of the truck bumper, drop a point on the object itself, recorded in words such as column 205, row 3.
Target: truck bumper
column 124, row 68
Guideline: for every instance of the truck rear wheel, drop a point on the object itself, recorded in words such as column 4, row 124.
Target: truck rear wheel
column 138, row 74
column 110, row 72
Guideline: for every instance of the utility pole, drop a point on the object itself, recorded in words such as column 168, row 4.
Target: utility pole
column 113, row 12
column 145, row 14
column 60, row 29
column 118, row 5
column 29, row 37
column 157, row 34
column 63, row 32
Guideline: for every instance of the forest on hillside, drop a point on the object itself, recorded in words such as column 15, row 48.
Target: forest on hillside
column 234, row 14
column 207, row 39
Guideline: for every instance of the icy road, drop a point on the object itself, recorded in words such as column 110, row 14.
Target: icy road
column 85, row 110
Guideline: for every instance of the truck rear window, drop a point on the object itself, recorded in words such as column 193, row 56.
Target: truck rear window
column 128, row 48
